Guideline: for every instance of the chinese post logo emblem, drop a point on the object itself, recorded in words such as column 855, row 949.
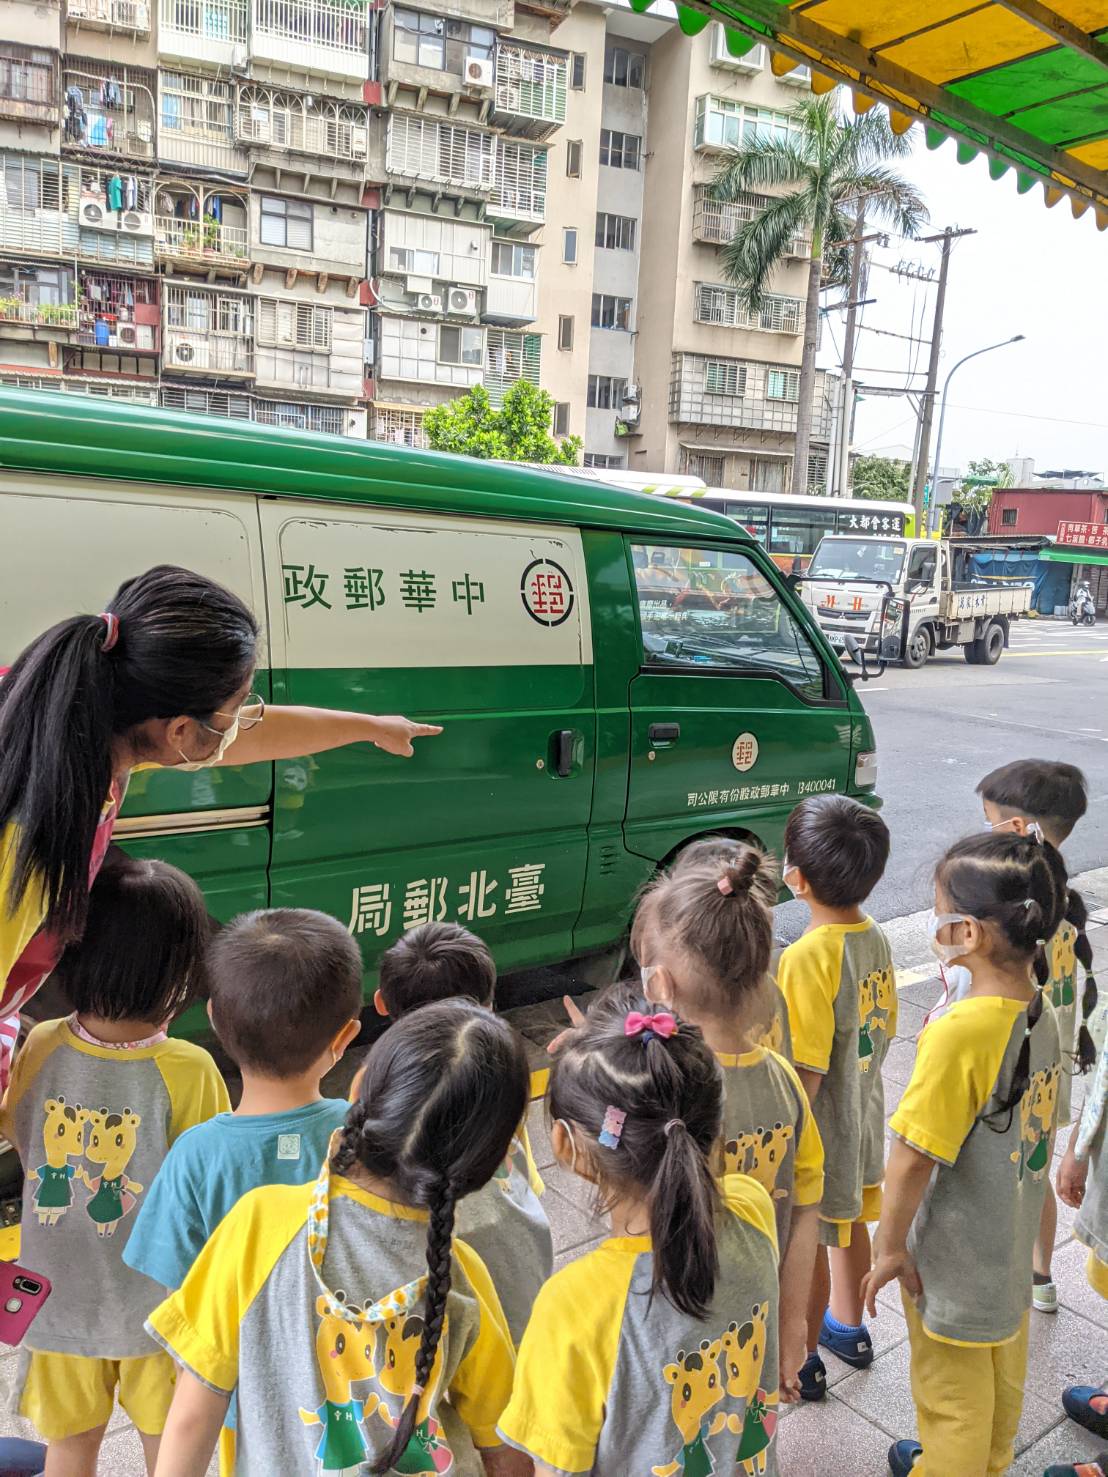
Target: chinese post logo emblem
column 744, row 752
column 547, row 592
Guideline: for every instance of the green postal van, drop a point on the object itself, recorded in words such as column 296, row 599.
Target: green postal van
column 616, row 674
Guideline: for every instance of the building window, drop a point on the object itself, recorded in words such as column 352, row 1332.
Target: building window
column 569, row 244
column 443, row 45
column 26, row 74
column 412, row 260
column 198, row 107
column 512, row 259
column 605, row 392
column 615, row 231
column 577, row 71
column 283, row 324
column 623, row 68
column 723, row 123
column 783, row 384
column 710, row 468
column 573, row 158
column 598, row 459
column 285, row 223
column 561, row 418
column 620, row 150
column 611, row 312
column 724, row 377
column 565, row 331
column 461, row 345
column 1008, row 517
column 725, row 306
column 401, row 427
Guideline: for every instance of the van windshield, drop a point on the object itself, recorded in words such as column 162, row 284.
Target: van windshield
column 858, row 559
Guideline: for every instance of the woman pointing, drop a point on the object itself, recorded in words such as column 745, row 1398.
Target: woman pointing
column 162, row 677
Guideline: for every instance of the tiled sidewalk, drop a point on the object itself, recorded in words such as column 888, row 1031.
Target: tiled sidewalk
column 849, row 1434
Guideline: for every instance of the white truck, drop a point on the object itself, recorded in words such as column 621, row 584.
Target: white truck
column 903, row 599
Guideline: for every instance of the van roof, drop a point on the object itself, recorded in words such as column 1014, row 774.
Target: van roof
column 87, row 436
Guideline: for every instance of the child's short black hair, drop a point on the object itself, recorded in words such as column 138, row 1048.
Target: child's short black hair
column 141, row 957
column 1044, row 790
column 436, row 961
column 284, row 982
column 841, row 846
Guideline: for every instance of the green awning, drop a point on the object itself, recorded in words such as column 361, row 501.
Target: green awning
column 1072, row 556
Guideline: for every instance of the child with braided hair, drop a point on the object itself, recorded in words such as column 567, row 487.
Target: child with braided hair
column 657, row 1351
column 970, row 1153
column 406, row 1368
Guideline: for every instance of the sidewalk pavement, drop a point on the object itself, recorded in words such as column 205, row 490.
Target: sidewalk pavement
column 865, row 1410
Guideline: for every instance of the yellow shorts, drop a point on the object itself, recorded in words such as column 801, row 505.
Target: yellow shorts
column 67, row 1394
column 1097, row 1273
column 838, row 1233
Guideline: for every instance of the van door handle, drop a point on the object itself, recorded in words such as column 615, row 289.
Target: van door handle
column 662, row 734
column 563, row 752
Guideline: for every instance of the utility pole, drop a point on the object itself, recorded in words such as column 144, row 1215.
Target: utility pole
column 838, row 477
column 948, row 237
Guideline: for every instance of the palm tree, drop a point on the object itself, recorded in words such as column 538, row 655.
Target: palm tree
column 825, row 167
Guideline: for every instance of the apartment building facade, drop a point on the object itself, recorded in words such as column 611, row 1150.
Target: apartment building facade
column 337, row 214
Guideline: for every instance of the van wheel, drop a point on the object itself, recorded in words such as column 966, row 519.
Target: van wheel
column 971, row 653
column 991, row 645
column 918, row 649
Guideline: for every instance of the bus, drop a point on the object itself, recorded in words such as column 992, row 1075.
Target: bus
column 790, row 525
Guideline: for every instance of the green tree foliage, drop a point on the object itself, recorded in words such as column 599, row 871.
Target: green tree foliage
column 820, row 171
column 883, row 478
column 982, row 479
column 518, row 432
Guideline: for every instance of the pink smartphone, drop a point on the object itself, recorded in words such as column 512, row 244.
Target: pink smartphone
column 22, row 1294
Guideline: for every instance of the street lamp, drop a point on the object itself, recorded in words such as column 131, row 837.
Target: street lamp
column 1015, row 339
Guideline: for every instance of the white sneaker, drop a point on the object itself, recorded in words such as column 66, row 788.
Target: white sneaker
column 1044, row 1297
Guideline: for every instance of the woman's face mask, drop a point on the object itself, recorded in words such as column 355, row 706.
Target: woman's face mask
column 947, row 952
column 226, row 739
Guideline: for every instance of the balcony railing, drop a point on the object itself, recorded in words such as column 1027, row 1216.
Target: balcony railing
column 530, row 93
column 199, row 241
column 727, row 393
column 511, row 300
column 108, row 113
column 38, row 315
column 328, row 36
column 111, row 15
column 203, row 30
column 208, row 353
column 301, row 125
column 510, row 357
column 519, row 193
column 444, row 153
column 717, row 222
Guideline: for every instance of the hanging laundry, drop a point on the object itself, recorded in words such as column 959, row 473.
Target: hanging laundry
column 115, row 193
column 165, row 203
column 215, row 207
column 130, row 193
column 97, row 130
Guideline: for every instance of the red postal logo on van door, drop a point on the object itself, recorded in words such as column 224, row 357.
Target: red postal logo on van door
column 547, row 592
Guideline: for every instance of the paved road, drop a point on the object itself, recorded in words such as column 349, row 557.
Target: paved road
column 941, row 728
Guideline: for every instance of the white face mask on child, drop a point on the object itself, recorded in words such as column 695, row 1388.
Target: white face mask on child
column 936, row 922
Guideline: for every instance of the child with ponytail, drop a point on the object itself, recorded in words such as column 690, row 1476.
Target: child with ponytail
column 1045, row 798
column 703, row 935
column 656, row 1352
column 967, row 1170
column 360, row 1336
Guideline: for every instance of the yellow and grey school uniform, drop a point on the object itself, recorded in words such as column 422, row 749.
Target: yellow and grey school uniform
column 841, row 991
column 321, row 1377
column 1061, row 990
column 770, row 1133
column 1091, row 1143
column 610, row 1382
column 92, row 1125
column 506, row 1226
column 777, row 1035
column 973, row 1235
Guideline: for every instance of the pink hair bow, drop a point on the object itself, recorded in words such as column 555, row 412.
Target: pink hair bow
column 661, row 1024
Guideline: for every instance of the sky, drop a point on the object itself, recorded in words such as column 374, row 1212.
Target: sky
column 1027, row 270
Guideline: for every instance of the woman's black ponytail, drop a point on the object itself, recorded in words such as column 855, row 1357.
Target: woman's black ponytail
column 180, row 645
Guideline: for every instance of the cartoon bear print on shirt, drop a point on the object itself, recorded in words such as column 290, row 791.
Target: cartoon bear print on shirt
column 744, row 1352
column 344, row 1352
column 112, row 1140
column 760, row 1154
column 427, row 1450
column 1036, row 1123
column 697, row 1390
column 867, row 1005
column 63, row 1139
column 1063, row 967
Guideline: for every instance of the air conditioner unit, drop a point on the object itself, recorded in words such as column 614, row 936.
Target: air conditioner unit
column 461, row 300
column 800, row 76
column 184, row 353
column 128, row 335
column 753, row 61
column 93, row 211
column 429, row 302
column 478, row 71
column 238, row 59
column 137, row 223
column 417, row 286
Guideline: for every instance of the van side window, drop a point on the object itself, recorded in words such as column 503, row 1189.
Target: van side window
column 714, row 609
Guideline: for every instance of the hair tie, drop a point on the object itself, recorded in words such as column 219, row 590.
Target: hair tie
column 662, row 1024
column 1027, row 902
column 1040, row 943
column 418, row 1391
column 612, row 1127
column 111, row 636
column 672, row 1124
column 724, row 885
